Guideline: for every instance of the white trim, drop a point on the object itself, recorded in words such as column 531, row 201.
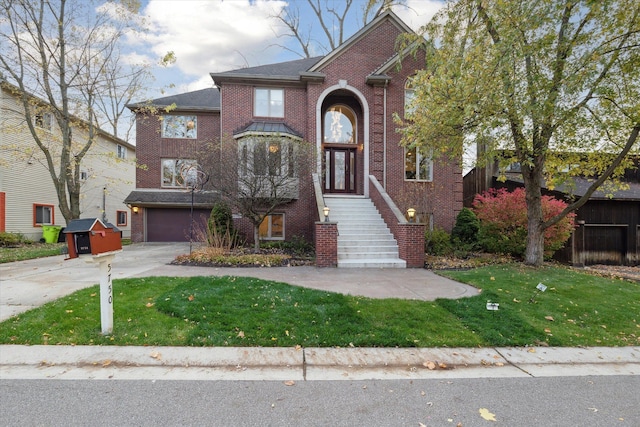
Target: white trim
column 365, row 141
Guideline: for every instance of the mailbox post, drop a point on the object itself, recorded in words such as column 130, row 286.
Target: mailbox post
column 102, row 242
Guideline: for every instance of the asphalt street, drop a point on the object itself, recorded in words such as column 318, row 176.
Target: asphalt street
column 556, row 401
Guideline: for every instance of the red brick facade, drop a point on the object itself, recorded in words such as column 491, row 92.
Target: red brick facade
column 326, row 240
column 342, row 77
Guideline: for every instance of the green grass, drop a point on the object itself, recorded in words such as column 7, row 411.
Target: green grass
column 30, row 251
column 240, row 311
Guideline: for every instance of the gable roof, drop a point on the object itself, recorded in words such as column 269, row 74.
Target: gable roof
column 84, row 225
column 282, row 71
column 310, row 68
column 198, row 100
column 388, row 15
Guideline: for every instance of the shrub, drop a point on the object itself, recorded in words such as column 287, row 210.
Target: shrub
column 10, row 239
column 298, row 245
column 437, row 242
column 503, row 222
column 465, row 232
column 220, row 232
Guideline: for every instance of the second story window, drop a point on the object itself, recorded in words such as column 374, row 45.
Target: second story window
column 121, row 151
column 267, row 157
column 409, row 98
column 268, row 102
column 178, row 172
column 43, row 120
column 340, row 125
column 179, row 126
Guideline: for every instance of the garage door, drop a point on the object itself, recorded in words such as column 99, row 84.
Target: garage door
column 173, row 225
column 605, row 244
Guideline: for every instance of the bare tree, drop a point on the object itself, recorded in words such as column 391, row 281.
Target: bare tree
column 324, row 30
column 257, row 175
column 67, row 53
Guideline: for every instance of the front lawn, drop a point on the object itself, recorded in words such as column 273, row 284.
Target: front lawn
column 576, row 309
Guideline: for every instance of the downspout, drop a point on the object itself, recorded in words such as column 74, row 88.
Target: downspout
column 384, row 137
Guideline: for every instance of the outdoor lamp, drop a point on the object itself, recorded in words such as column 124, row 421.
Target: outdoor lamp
column 325, row 211
column 411, row 213
column 135, row 209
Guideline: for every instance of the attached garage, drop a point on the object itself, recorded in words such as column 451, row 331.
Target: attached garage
column 174, row 225
column 165, row 216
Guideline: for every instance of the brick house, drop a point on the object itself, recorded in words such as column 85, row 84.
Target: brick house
column 342, row 104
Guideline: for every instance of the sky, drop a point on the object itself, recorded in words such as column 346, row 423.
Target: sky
column 219, row 35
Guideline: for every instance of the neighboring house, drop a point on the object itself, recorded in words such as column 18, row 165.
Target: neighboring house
column 28, row 198
column 343, row 105
column 607, row 225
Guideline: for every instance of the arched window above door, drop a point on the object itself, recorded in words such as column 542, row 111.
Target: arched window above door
column 339, row 125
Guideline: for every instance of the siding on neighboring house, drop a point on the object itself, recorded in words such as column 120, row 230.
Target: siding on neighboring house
column 26, row 181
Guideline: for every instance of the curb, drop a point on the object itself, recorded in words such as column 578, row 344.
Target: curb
column 310, row 364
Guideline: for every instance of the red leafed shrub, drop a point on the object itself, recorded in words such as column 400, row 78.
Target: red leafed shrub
column 503, row 222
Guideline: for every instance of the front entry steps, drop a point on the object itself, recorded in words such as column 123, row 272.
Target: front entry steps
column 363, row 237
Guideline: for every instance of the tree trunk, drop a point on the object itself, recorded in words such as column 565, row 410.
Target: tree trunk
column 534, row 252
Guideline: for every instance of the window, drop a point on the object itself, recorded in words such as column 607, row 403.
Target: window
column 340, row 125
column 179, row 126
column 409, row 97
column 121, row 218
column 272, row 227
column 269, row 103
column 178, row 172
column 121, row 151
column 43, row 120
column 272, row 157
column 83, row 175
column 42, row 215
column 417, row 166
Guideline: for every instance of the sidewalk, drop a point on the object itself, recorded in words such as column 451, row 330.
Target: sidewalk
column 309, row 364
column 28, row 284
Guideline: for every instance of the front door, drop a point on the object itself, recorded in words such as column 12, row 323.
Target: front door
column 340, row 169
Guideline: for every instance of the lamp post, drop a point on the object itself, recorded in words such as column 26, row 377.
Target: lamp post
column 195, row 178
column 325, row 212
column 411, row 213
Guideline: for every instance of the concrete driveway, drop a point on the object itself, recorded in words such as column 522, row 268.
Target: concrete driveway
column 28, row 284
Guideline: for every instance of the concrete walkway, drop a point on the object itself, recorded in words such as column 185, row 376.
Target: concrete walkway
column 28, row 284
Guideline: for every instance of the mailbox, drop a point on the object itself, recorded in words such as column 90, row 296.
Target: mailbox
column 91, row 236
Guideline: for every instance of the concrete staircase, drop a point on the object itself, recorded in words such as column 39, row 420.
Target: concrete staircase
column 363, row 237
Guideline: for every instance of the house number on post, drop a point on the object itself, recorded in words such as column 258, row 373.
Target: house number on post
column 106, row 295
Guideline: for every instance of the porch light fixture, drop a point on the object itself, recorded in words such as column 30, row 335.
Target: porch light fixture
column 325, row 212
column 135, row 209
column 411, row 213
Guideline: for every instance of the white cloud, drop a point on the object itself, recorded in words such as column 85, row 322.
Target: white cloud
column 209, row 36
column 417, row 13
